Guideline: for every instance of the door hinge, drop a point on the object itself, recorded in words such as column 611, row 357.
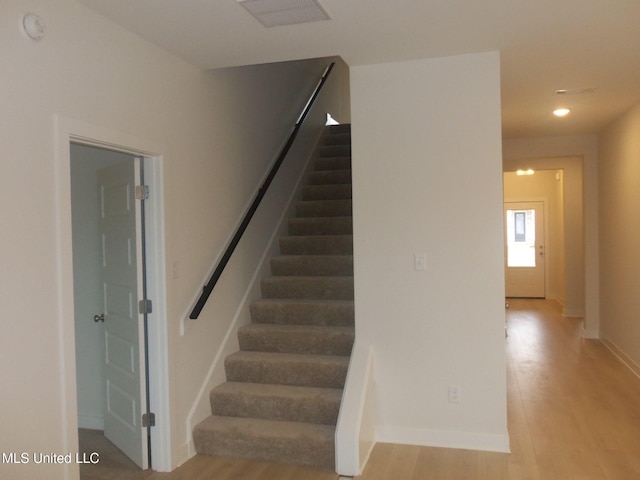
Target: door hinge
column 148, row 419
column 145, row 306
column 142, row 192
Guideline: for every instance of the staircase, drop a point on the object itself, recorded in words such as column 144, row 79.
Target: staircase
column 283, row 391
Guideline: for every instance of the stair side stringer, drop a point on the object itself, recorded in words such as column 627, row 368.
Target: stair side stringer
column 200, row 408
column 355, row 434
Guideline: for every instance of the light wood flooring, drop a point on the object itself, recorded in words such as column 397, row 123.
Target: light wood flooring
column 573, row 412
column 114, row 465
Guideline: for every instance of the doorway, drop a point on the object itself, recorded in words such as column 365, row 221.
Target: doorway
column 540, row 202
column 524, row 250
column 68, row 132
column 109, row 281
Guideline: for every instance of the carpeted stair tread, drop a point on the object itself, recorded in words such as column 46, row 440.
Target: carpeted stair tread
column 302, row 312
column 323, row 208
column 327, row 192
column 326, row 371
column 304, row 339
column 267, row 440
column 338, row 138
column 338, row 128
column 332, row 163
column 321, row 226
column 329, row 177
column 319, row 287
column 277, row 402
column 335, row 150
column 316, row 245
column 312, row 265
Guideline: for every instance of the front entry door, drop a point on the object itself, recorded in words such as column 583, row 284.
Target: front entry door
column 122, row 270
column 524, row 249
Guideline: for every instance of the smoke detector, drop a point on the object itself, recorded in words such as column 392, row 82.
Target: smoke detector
column 33, row 26
column 272, row 13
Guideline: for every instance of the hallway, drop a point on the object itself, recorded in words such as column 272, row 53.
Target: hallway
column 572, row 406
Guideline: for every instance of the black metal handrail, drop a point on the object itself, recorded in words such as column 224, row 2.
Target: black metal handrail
column 215, row 276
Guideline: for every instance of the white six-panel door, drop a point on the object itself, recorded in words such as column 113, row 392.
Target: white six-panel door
column 122, row 271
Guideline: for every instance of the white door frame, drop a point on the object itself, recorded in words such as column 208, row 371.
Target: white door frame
column 67, row 131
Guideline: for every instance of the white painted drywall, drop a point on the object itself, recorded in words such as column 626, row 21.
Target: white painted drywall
column 427, row 169
column 619, row 187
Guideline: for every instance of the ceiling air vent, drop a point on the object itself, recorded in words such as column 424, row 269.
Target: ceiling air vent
column 272, row 13
column 575, row 91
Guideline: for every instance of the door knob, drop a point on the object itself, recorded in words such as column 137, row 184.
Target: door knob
column 98, row 318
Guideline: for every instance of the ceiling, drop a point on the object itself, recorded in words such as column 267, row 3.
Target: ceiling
column 545, row 45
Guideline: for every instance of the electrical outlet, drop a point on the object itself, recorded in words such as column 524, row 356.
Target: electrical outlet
column 454, row 394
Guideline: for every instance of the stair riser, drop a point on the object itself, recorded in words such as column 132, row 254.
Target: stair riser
column 296, row 313
column 319, row 408
column 317, row 245
column 332, row 177
column 327, row 192
column 304, row 373
column 321, row 226
column 324, row 208
column 322, row 288
column 325, row 342
column 312, row 265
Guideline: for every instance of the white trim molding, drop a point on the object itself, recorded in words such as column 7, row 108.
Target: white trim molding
column 622, row 356
column 444, row 438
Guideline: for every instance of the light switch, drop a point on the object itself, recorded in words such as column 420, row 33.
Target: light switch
column 420, row 261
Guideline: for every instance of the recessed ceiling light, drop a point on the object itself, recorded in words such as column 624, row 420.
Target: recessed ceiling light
column 561, row 112
column 529, row 171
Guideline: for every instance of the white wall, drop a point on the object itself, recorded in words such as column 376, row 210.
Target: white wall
column 215, row 133
column 619, row 184
column 578, row 157
column 427, row 169
column 544, row 185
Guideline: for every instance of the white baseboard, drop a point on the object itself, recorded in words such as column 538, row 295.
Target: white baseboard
column 444, row 439
column 590, row 334
column 622, row 356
